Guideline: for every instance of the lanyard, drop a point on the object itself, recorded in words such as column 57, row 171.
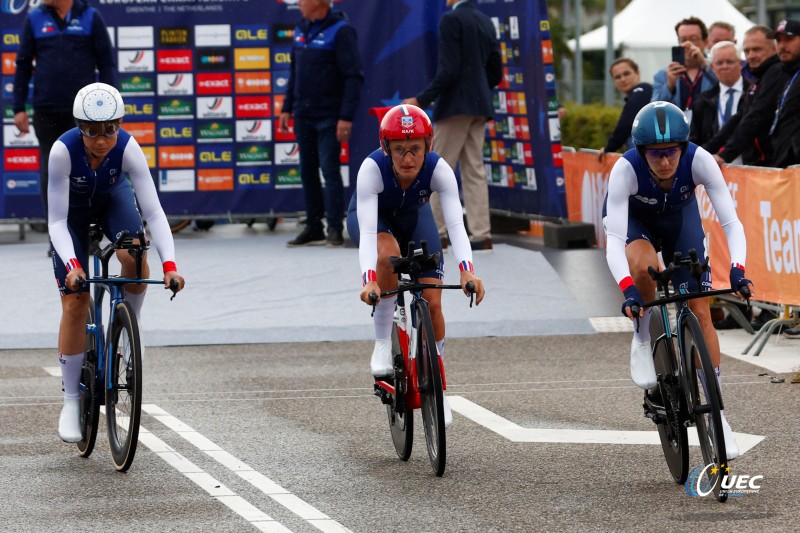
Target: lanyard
column 783, row 101
column 691, row 86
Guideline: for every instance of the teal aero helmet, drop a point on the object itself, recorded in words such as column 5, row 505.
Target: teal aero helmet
column 660, row 122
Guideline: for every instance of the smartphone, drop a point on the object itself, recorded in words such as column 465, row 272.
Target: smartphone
column 679, row 54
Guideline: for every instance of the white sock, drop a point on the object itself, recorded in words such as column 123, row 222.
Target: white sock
column 440, row 347
column 136, row 301
column 643, row 334
column 71, row 368
column 382, row 319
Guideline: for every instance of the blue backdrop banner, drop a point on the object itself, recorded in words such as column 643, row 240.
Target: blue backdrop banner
column 204, row 81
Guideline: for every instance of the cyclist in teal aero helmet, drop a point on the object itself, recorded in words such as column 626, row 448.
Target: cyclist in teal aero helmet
column 650, row 207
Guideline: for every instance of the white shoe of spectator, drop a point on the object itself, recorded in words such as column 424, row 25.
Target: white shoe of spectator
column 643, row 370
column 69, row 423
column 381, row 364
column 731, row 449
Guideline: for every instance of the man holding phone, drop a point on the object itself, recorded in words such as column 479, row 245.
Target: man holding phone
column 681, row 82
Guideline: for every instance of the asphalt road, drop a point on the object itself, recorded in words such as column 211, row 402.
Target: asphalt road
column 289, row 437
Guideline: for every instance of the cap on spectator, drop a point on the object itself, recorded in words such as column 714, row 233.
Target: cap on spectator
column 787, row 27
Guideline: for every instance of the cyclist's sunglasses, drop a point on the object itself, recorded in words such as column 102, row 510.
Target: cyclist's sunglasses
column 656, row 154
column 93, row 130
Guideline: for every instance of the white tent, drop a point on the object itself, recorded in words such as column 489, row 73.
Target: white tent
column 645, row 29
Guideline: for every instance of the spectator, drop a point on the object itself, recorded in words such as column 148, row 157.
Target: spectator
column 741, row 136
column 625, row 73
column 68, row 40
column 785, row 129
column 681, row 84
column 713, row 108
column 721, row 31
column 469, row 67
column 325, row 80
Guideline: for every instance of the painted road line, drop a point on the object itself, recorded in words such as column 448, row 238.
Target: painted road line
column 211, row 485
column 304, row 510
column 517, row 433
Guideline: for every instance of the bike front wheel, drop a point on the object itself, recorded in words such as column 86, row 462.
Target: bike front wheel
column 671, row 430
column 429, row 381
column 124, row 397
column 705, row 407
column 90, row 395
column 401, row 418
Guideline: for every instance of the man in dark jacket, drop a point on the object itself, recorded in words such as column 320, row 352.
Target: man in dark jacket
column 717, row 106
column 68, row 40
column 740, row 136
column 469, row 66
column 785, row 130
column 325, row 80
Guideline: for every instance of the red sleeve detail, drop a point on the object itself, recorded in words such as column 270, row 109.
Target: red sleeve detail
column 625, row 283
column 169, row 266
column 72, row 264
column 737, row 265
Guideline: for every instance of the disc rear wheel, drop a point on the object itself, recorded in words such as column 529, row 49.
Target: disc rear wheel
column 429, row 380
column 124, row 399
column 90, row 396
column 671, row 430
column 401, row 419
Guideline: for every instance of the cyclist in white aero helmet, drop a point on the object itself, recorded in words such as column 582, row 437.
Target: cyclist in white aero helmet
column 94, row 170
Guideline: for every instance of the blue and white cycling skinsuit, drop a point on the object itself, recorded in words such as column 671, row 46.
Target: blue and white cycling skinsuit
column 637, row 208
column 380, row 204
column 79, row 196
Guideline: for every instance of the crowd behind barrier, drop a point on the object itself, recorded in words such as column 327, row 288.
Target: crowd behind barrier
column 768, row 204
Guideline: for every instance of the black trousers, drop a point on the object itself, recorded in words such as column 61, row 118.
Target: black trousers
column 49, row 126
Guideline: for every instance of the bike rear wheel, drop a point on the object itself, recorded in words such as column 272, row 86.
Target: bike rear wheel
column 706, row 411
column 401, row 419
column 90, row 398
column 124, row 399
column 671, row 430
column 429, row 381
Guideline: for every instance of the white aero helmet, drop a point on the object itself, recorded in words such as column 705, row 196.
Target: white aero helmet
column 98, row 102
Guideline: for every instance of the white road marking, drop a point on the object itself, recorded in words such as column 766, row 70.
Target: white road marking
column 211, row 485
column 517, row 433
column 53, row 371
column 304, row 510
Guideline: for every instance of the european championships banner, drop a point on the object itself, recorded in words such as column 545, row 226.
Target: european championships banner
column 204, row 81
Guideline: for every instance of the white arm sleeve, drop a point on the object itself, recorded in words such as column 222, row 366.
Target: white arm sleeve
column 59, row 166
column 706, row 172
column 444, row 182
column 134, row 164
column 368, row 185
column 622, row 185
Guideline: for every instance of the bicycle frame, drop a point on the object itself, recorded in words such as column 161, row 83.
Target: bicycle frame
column 683, row 312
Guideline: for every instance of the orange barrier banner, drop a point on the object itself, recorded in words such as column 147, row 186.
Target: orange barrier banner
column 767, row 202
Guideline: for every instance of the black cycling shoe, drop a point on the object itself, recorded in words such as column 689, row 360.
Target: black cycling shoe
column 334, row 238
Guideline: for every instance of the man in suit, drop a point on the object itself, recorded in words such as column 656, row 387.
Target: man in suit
column 719, row 104
column 742, row 136
column 469, row 66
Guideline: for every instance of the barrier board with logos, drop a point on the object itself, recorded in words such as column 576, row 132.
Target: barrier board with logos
column 204, row 82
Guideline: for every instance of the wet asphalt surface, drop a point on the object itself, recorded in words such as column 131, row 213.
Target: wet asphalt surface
column 303, row 416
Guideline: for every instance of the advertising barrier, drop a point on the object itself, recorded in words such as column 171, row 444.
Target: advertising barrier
column 767, row 202
column 204, row 80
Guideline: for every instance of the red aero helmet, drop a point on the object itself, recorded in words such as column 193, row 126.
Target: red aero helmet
column 404, row 122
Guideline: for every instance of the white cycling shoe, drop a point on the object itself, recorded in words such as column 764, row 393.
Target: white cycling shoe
column 731, row 449
column 643, row 370
column 69, row 423
column 381, row 364
column 448, row 414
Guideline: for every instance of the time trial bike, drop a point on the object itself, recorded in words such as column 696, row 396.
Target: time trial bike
column 688, row 392
column 112, row 368
column 419, row 380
